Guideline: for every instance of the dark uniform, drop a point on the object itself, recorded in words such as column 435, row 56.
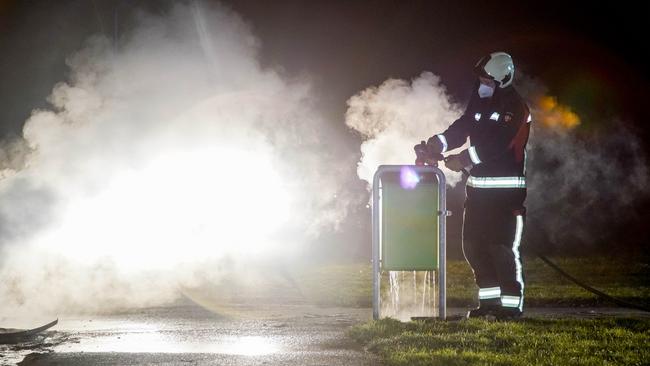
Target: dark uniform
column 498, row 129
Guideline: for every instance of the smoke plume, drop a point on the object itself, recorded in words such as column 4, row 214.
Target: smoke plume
column 583, row 182
column 165, row 158
column 395, row 116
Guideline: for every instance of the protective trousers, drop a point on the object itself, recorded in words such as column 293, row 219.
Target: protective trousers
column 491, row 240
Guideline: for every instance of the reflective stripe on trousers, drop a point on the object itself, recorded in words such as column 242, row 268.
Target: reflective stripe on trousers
column 516, row 301
column 489, row 293
column 496, row 182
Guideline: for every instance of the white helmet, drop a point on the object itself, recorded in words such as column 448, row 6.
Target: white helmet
column 497, row 66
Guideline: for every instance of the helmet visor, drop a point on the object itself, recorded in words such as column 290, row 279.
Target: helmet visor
column 479, row 69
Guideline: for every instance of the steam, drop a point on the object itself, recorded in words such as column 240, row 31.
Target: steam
column 163, row 161
column 395, row 116
column 581, row 183
column 583, row 186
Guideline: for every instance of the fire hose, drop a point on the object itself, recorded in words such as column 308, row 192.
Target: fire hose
column 424, row 156
column 594, row 291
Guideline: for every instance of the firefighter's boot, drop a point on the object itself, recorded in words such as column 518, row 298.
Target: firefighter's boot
column 506, row 313
column 487, row 308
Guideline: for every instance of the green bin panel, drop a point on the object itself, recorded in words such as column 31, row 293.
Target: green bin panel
column 409, row 224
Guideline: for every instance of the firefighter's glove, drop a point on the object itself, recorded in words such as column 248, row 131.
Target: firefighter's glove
column 458, row 162
column 434, row 145
column 420, row 149
column 422, row 154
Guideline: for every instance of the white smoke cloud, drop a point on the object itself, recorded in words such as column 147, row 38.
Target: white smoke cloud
column 13, row 151
column 160, row 160
column 395, row 116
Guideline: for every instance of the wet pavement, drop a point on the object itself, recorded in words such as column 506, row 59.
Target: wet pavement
column 186, row 334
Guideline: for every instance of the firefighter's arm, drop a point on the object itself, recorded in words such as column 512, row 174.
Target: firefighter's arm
column 500, row 138
column 455, row 136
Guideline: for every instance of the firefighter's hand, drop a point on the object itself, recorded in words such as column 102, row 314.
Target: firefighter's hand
column 457, row 162
column 434, row 145
column 421, row 153
column 421, row 148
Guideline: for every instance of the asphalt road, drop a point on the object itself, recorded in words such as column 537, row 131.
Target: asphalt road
column 187, row 334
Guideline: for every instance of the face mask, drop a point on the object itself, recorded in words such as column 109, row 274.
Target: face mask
column 485, row 91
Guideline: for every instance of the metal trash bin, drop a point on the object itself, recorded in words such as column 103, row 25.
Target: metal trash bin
column 408, row 225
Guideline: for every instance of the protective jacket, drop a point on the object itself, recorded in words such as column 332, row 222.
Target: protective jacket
column 498, row 129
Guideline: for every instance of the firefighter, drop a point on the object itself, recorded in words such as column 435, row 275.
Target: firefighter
column 497, row 123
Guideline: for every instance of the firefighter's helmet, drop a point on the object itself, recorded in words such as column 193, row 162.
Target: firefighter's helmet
column 497, row 66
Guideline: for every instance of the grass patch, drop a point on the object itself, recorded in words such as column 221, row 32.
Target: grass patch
column 348, row 285
column 351, row 284
column 606, row 341
column 594, row 341
column 621, row 277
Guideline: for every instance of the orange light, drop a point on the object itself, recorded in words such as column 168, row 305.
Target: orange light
column 555, row 115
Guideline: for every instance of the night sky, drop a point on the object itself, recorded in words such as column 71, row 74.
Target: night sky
column 590, row 55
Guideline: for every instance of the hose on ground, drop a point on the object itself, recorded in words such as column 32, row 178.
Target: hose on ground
column 594, row 291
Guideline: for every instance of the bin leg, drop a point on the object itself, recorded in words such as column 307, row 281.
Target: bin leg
column 442, row 244
column 376, row 275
